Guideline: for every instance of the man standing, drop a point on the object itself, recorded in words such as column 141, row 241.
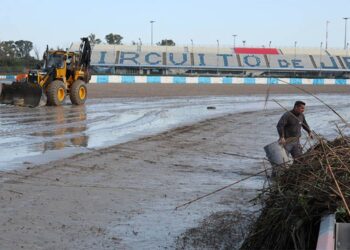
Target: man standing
column 289, row 129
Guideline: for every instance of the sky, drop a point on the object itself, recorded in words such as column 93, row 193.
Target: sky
column 283, row 22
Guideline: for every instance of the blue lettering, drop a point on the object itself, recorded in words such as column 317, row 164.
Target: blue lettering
column 133, row 57
column 283, row 63
column 184, row 59
column 224, row 57
column 201, row 60
column 347, row 61
column 296, row 64
column 333, row 66
column 253, row 64
column 147, row 58
column 102, row 57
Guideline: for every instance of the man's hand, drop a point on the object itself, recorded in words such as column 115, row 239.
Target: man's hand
column 311, row 136
column 282, row 141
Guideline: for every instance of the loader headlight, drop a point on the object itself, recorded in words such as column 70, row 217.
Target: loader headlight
column 33, row 77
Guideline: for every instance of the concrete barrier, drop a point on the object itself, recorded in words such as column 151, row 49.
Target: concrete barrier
column 205, row 80
column 326, row 237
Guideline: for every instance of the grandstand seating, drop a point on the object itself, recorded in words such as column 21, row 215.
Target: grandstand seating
column 268, row 62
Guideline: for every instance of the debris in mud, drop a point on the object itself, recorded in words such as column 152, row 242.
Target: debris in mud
column 222, row 230
column 211, row 107
column 316, row 184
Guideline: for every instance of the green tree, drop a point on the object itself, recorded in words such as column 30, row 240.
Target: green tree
column 16, row 49
column 166, row 42
column 93, row 40
column 23, row 48
column 113, row 38
column 8, row 49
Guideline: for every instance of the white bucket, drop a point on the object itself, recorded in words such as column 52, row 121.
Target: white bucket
column 276, row 154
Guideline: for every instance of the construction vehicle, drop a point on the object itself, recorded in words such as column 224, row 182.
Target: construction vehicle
column 63, row 74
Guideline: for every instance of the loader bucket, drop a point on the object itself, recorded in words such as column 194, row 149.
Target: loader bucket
column 22, row 94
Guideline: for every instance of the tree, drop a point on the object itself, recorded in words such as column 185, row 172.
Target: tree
column 16, row 49
column 8, row 49
column 93, row 40
column 114, row 38
column 23, row 48
column 15, row 56
column 166, row 42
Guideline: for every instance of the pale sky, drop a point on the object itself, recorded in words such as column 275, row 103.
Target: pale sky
column 59, row 23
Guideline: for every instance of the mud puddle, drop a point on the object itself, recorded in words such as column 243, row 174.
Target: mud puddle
column 39, row 135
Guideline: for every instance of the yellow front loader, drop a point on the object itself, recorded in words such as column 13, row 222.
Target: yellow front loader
column 63, row 74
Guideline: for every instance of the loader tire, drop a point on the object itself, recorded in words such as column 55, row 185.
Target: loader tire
column 56, row 93
column 78, row 92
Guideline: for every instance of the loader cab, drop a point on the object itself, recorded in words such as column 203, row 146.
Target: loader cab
column 55, row 59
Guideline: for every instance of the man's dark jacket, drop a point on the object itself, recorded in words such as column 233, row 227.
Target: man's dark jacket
column 290, row 125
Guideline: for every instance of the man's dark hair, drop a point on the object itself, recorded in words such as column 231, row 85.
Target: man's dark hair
column 299, row 103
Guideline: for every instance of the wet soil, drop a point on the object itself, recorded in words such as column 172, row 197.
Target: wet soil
column 124, row 197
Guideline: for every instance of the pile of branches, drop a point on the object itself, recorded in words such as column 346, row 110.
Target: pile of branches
column 316, row 184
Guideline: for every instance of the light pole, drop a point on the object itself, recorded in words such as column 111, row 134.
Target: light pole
column 139, row 51
column 152, row 31
column 234, row 40
column 295, row 54
column 139, row 46
column 327, row 22
column 217, row 56
column 346, row 24
column 192, row 56
column 321, row 45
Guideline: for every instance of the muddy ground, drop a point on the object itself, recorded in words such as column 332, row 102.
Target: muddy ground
column 124, row 196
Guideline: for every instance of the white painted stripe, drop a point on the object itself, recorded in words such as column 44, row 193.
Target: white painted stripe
column 93, row 79
column 192, row 80
column 216, row 80
column 167, row 79
column 115, row 79
column 260, row 80
column 237, row 80
column 329, row 81
column 307, row 81
column 283, row 80
column 140, row 79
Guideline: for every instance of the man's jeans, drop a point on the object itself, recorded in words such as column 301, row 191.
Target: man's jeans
column 294, row 148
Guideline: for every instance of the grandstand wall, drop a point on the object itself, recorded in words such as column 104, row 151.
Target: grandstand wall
column 210, row 61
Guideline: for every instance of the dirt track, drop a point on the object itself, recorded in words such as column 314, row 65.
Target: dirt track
column 123, row 197
column 165, row 90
